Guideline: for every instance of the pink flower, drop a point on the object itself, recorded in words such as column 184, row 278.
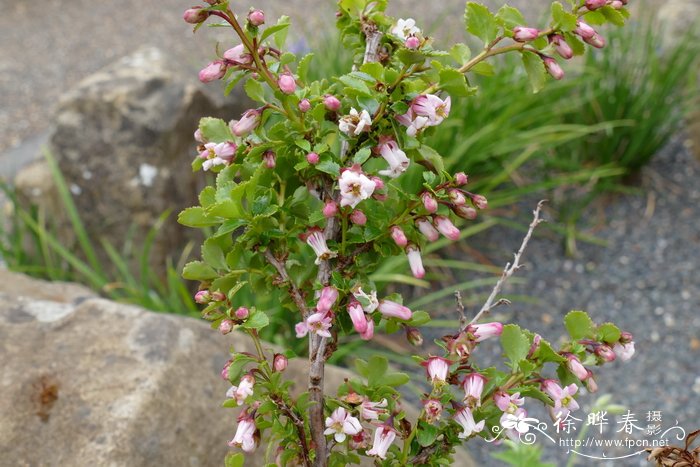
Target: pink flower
column 312, row 158
column 245, row 433
column 330, row 209
column 624, row 351
column 224, row 370
column 355, row 123
column 575, row 366
column 279, row 362
column 215, row 70
column 398, row 235
column 371, row 410
column 243, row 390
column 564, row 402
column 358, row 217
column 605, row 352
column 327, row 298
column 357, row 316
column 286, row 83
column 445, row 226
column 432, row 409
column 317, row 241
column 507, row 402
column 331, row 102
column 480, row 201
column 412, row 43
column 384, row 435
column 226, row 326
column 561, row 46
column 195, row 15
column 304, row 105
column 202, row 297
column 249, row 121
column 553, row 68
column 354, row 187
column 413, row 123
column 595, row 4
column 591, row 385
column 256, row 17
column 270, row 159
column 523, row 34
column 516, row 423
column 457, row 197
column 431, row 107
column 465, row 419
column 395, row 157
column 482, row 332
column 390, row 309
column 340, row 424
column 218, row 154
column 461, row 178
column 199, row 137
column 415, row 261
column 584, row 30
column 429, row 202
column 427, row 229
column 238, row 55
column 473, row 386
column 317, row 323
column 414, row 336
column 465, row 212
column 242, row 312
column 368, row 334
column 596, row 41
column 437, row 369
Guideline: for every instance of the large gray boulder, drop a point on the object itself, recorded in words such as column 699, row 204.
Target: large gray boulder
column 90, row 382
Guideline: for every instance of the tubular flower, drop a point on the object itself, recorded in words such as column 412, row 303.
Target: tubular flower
column 384, row 435
column 390, row 309
column 357, row 316
column 415, row 261
column 355, row 123
column 427, row 229
column 437, row 369
column 445, row 226
column 327, row 298
column 473, row 386
column 395, row 157
column 369, row 301
column 371, row 410
column 465, row 419
column 482, row 332
column 316, row 240
column 245, row 433
column 249, row 121
column 238, row 55
column 242, row 391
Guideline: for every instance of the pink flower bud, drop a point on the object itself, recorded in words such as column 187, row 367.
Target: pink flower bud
column 412, row 43
column 286, row 83
column 218, row 297
column 480, row 201
column 415, row 261
column 457, row 197
column 357, row 316
column 279, row 362
column 390, row 309
column 414, row 336
column 358, row 217
column 256, row 17
column 553, row 68
column 312, row 158
column 485, row 331
column 617, row 4
column 591, row 385
column 378, row 183
column 195, row 15
column 224, row 370
column 270, row 159
column 429, row 202
column 249, row 121
column 202, row 297
column 330, row 209
column 461, row 178
column 561, row 46
column 304, row 105
column 242, row 313
column 199, row 137
column 445, row 226
column 575, row 366
column 626, row 337
column 212, row 72
column 427, row 229
column 584, row 30
column 328, row 297
column 398, row 235
column 238, row 54
column 523, row 34
column 595, row 4
column 432, row 409
column 605, row 352
column 331, row 103
column 368, row 333
column 465, row 212
column 596, row 41
column 226, row 326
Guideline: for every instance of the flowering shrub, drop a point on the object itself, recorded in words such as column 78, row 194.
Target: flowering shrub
column 325, row 179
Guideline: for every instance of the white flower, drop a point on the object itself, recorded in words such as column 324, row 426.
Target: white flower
column 395, row 157
column 384, row 435
column 355, row 123
column 316, row 239
column 370, row 410
column 245, row 433
column 405, row 28
column 242, row 391
column 354, row 187
column 466, row 420
column 317, row 323
column 340, row 424
column 624, row 351
column 369, row 301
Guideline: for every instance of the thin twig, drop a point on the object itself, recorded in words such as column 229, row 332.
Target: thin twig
column 510, row 269
column 460, row 310
column 298, row 423
column 294, row 291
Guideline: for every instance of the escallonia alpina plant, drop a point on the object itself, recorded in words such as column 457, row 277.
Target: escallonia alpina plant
column 323, row 181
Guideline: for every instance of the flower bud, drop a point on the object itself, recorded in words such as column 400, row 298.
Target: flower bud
column 575, row 366
column 249, row 121
column 212, row 72
column 445, row 226
column 330, row 209
column 238, row 54
column 398, row 235
column 605, row 352
column 202, row 297
column 596, row 41
column 226, row 326
column 195, row 15
column 357, row 316
column 218, row 296
column 429, row 202
column 368, row 333
column 457, row 197
column 256, row 17
column 378, row 183
column 561, row 46
column 327, row 299
column 535, row 345
column 480, row 201
column 432, row 408
column 331, row 103
column 617, row 4
column 286, row 83
column 485, row 331
column 523, row 34
column 590, row 383
column 270, row 159
column 465, row 212
column 224, row 370
column 415, row 261
column 595, row 4
column 412, row 43
column 626, row 337
column 414, row 336
column 242, row 313
column 427, row 229
column 358, row 217
column 584, row 30
column 304, row 105
column 553, row 68
column 279, row 362
column 198, row 136
column 312, row 158
column 461, row 178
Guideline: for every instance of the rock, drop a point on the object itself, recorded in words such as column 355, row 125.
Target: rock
column 123, row 140
column 87, row 381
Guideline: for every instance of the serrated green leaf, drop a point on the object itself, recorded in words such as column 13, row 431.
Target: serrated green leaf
column 196, row 217
column 480, row 22
column 215, row 130
column 235, row 460
column 426, row 434
column 328, row 166
column 515, row 343
column 395, row 379
column 257, row 320
column 609, row 333
column 460, row 53
column 431, row 158
column 213, row 255
column 613, row 16
column 545, row 353
column 535, row 70
column 362, row 155
column 419, row 318
column 303, row 67
column 454, row 83
column 255, row 90
column 510, row 17
column 198, row 271
column 279, row 31
column 563, row 20
column 484, row 69
column 578, row 324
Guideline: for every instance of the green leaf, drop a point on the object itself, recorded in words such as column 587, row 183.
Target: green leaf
column 215, row 130
column 196, row 217
column 279, row 31
column 510, row 17
column 461, row 53
column 419, row 318
column 578, row 324
column 431, row 158
column 374, row 69
column 596, row 18
column 480, row 22
column 255, row 90
column 613, row 16
column 563, row 20
column 454, row 83
column 484, row 69
column 235, row 460
column 395, row 379
column 546, row 353
column 515, row 343
column 238, row 363
column 198, row 271
column 608, row 332
column 535, row 70
column 535, row 393
column 213, row 255
column 328, row 166
column 361, row 156
column 257, row 320
column 303, row 67
column 426, row 434
column 376, row 369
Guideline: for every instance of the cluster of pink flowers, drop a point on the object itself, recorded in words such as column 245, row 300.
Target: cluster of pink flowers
column 425, row 111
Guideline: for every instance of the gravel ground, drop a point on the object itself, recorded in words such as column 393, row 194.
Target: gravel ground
column 645, row 281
